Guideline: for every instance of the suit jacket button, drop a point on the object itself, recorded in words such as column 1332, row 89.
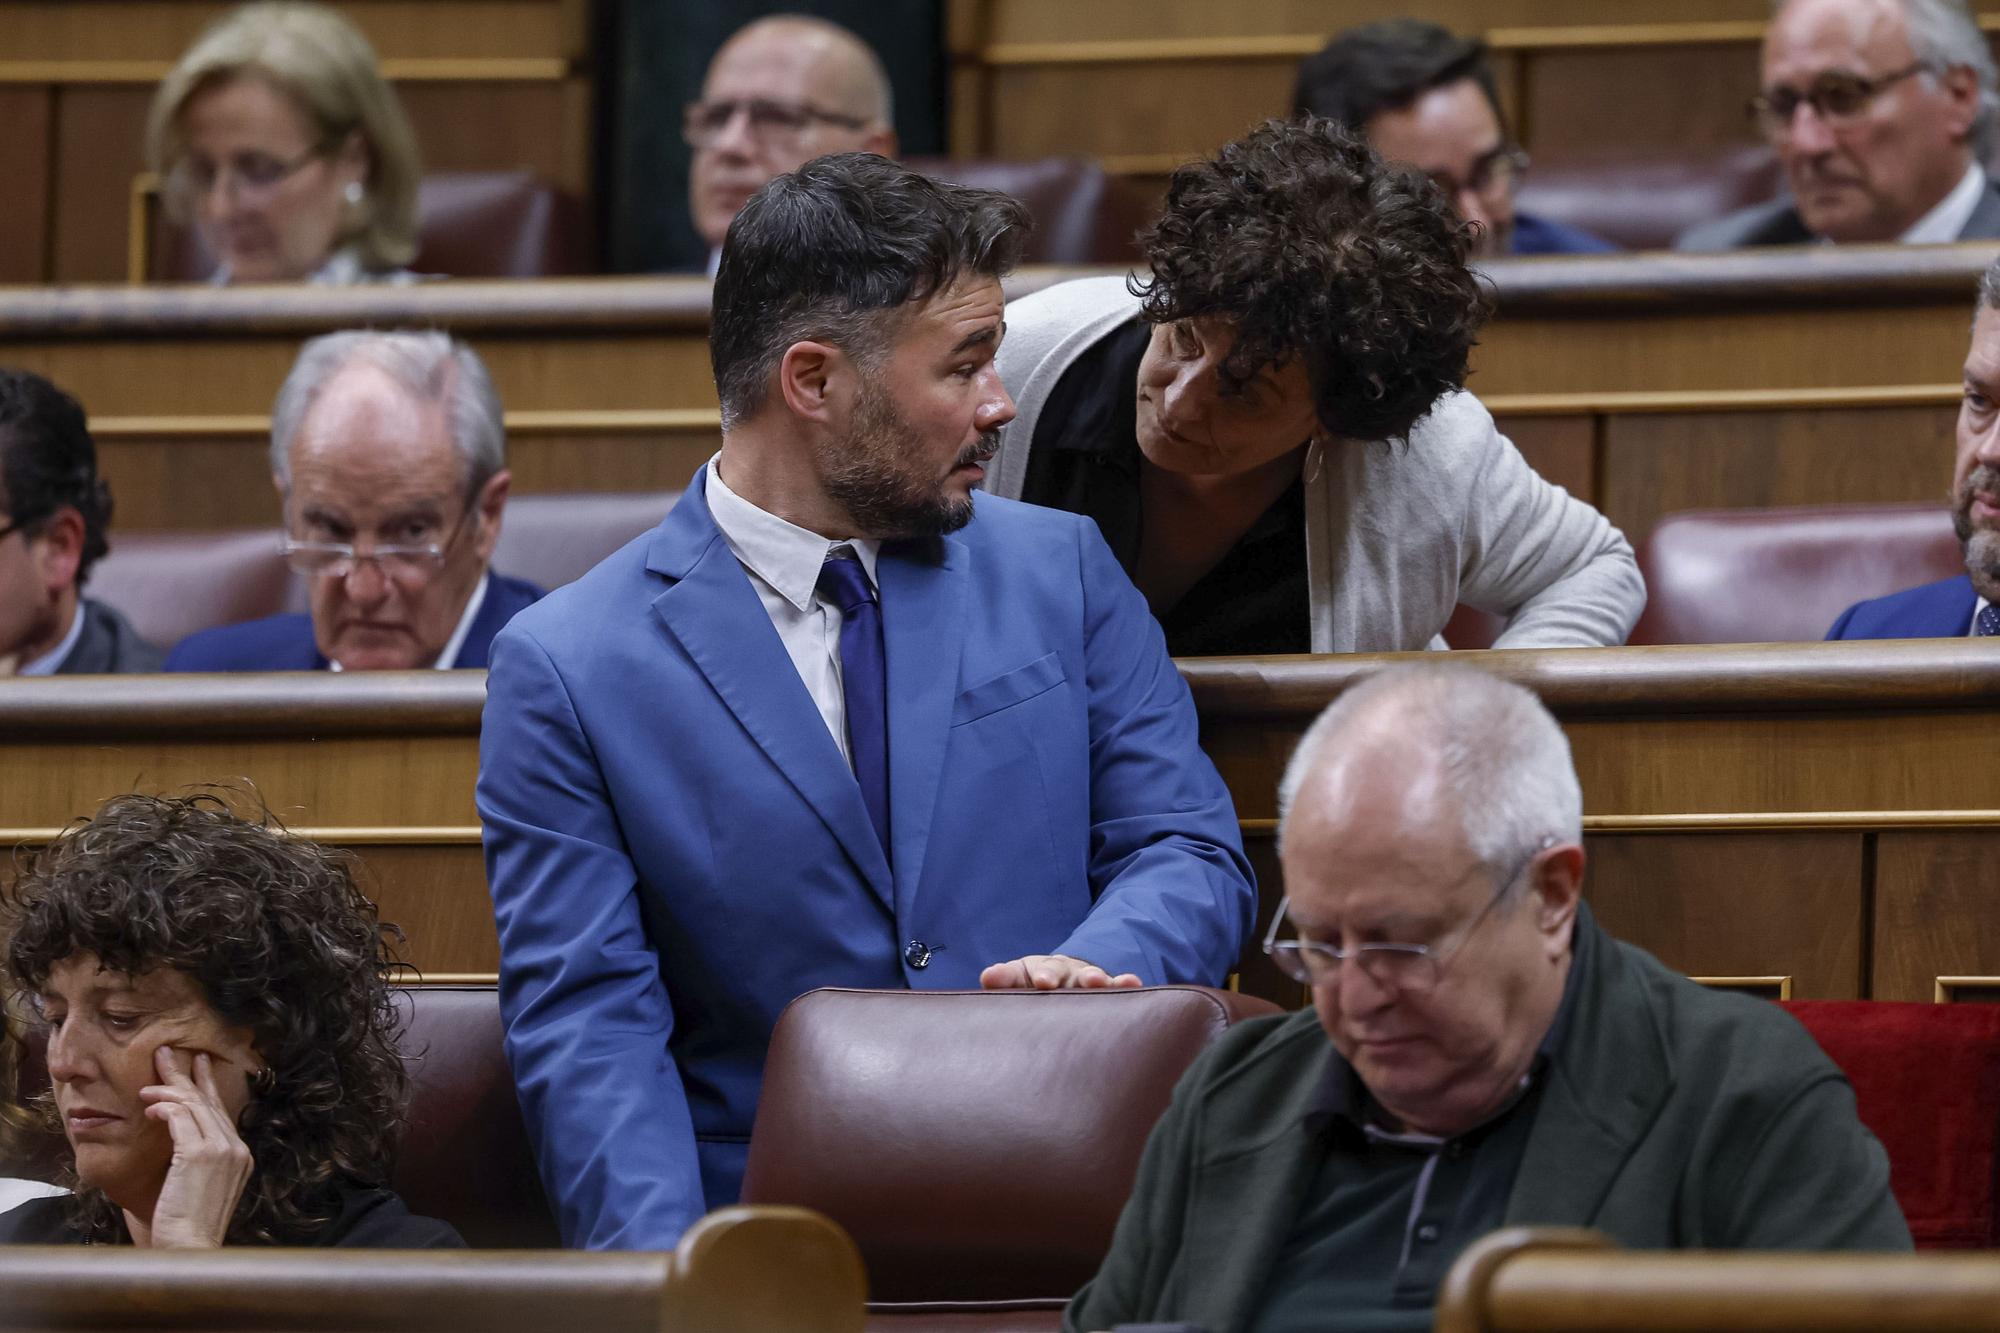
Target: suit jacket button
column 917, row 954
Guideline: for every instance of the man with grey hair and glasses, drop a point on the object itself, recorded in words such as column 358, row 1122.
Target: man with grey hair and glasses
column 389, row 457
column 1478, row 1053
column 1881, row 113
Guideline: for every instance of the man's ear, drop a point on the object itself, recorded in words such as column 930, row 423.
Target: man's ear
column 812, row 381
column 59, row 550
column 491, row 502
column 1961, row 86
column 1556, row 889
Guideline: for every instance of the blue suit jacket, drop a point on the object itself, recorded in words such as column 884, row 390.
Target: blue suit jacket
column 1941, row 610
column 676, row 848
column 285, row 643
column 1545, row 236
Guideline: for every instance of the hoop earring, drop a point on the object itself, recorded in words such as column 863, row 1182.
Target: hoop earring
column 263, row 1081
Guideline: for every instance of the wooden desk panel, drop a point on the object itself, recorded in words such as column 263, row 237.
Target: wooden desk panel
column 1817, row 811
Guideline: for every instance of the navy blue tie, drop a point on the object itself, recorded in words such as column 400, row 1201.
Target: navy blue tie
column 1987, row 622
column 864, row 681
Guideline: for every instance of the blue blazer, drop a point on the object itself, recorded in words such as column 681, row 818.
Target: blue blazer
column 285, row 643
column 1941, row 610
column 676, row 848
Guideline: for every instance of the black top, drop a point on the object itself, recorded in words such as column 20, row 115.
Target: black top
column 1085, row 458
column 1388, row 1212
column 368, row 1219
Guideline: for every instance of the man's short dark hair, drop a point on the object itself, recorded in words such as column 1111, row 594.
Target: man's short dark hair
column 1319, row 251
column 833, row 252
column 1385, row 66
column 48, row 462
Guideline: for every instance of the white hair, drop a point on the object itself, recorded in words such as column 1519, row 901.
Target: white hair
column 1502, row 755
column 1943, row 35
column 431, row 366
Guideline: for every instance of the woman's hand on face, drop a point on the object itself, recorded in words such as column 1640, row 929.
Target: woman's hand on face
column 211, row 1164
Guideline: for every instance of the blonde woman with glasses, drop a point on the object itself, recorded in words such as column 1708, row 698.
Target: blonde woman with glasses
column 277, row 139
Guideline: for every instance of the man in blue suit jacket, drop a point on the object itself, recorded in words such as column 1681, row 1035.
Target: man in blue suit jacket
column 719, row 770
column 1964, row 605
column 390, row 457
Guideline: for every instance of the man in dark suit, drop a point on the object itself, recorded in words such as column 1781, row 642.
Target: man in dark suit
column 1965, row 604
column 390, row 459
column 1881, row 113
column 836, row 721
column 1478, row 1053
column 54, row 510
column 1422, row 95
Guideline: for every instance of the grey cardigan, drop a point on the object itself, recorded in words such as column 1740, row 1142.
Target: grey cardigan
column 1396, row 535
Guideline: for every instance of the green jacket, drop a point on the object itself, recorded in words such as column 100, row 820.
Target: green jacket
column 1674, row 1117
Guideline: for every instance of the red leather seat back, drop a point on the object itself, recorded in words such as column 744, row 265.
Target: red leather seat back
column 1784, row 575
column 470, row 224
column 1642, row 199
column 170, row 584
column 465, row 1154
column 978, row 1146
column 1927, row 1081
column 551, row 539
column 1083, row 215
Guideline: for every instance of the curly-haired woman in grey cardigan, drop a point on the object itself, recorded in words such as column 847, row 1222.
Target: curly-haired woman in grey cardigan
column 1271, row 429
column 221, row 1035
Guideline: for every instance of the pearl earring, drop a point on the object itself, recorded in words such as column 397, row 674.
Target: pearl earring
column 353, row 193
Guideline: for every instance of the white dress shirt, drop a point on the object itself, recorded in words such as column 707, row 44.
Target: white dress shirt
column 46, row 664
column 783, row 561
column 1949, row 215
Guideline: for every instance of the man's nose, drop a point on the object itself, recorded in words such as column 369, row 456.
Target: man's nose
column 734, row 137
column 365, row 583
column 1807, row 132
column 996, row 409
column 1358, row 991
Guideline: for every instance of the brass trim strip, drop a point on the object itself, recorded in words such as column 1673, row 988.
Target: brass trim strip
column 414, row 835
column 405, row 69
column 637, row 421
column 1783, row 985
column 1754, row 821
column 406, row 975
column 1720, row 400
column 1942, row 987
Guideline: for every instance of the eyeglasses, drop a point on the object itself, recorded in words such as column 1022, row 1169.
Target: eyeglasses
column 403, row 563
column 1836, row 97
column 1404, row 968
column 247, row 178
column 704, row 122
column 1494, row 175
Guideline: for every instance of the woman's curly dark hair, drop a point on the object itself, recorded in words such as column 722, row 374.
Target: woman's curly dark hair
column 281, row 940
column 1316, row 249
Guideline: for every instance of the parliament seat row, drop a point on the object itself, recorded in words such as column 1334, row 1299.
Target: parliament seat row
column 1729, row 576
column 977, row 1147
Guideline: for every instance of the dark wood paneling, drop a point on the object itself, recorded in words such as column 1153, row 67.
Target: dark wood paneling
column 99, row 148
column 1739, row 904
column 1937, row 911
column 437, row 894
column 1584, row 100
column 1660, row 463
column 1560, row 448
column 25, row 119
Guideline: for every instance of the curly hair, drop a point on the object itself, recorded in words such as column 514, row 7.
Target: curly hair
column 281, row 940
column 1316, row 249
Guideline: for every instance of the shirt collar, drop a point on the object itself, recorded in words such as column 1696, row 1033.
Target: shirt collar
column 456, row 643
column 783, row 554
column 1949, row 215
column 1342, row 1101
column 46, row 664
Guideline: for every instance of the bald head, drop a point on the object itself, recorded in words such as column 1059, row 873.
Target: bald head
column 1411, row 746
column 781, row 92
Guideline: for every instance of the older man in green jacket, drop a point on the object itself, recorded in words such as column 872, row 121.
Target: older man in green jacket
column 1479, row 1053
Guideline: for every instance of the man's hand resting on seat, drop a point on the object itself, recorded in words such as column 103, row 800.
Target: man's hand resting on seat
column 1053, row 971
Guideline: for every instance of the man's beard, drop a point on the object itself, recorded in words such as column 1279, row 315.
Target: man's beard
column 1981, row 544
column 868, row 473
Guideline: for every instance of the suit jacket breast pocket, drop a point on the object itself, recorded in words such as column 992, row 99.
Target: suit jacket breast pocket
column 1007, row 689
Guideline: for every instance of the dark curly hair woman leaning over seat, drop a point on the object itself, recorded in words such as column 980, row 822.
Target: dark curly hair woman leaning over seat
column 1271, row 431
column 221, row 1035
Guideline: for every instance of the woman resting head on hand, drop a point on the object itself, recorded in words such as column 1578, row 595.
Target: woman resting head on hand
column 221, row 1035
